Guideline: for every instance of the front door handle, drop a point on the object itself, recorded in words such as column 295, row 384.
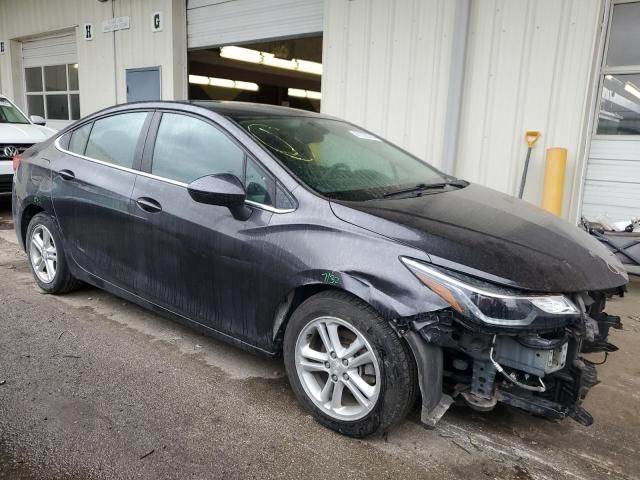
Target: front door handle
column 67, row 174
column 149, row 205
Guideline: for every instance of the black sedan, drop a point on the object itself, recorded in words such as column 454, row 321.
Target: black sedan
column 377, row 277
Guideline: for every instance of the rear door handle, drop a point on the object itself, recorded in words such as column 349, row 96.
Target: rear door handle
column 67, row 174
column 149, row 205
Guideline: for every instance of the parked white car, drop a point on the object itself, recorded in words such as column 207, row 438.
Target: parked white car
column 17, row 133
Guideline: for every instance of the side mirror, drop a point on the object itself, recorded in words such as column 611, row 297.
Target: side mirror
column 38, row 120
column 223, row 189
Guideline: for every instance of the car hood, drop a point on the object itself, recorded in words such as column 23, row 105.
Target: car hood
column 484, row 233
column 23, row 133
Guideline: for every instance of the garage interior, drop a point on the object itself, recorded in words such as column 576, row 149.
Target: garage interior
column 286, row 72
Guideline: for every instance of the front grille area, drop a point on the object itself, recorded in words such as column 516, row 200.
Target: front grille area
column 20, row 146
column 6, row 182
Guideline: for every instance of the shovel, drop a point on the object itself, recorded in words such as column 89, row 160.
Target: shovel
column 531, row 136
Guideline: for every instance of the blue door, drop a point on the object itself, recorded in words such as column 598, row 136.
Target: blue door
column 143, row 84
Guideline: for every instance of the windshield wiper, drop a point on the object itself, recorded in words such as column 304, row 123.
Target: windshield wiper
column 422, row 187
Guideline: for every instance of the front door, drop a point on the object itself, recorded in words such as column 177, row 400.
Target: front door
column 92, row 183
column 198, row 260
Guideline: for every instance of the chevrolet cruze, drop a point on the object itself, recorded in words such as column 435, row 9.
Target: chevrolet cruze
column 378, row 278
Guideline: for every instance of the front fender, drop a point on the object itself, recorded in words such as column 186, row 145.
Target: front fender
column 390, row 297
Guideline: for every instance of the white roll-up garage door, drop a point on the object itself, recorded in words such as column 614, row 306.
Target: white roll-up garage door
column 50, row 66
column 50, row 50
column 222, row 22
column 612, row 183
column 612, row 180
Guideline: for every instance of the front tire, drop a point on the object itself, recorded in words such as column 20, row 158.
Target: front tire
column 47, row 257
column 347, row 366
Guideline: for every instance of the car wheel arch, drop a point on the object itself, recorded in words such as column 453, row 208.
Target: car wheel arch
column 289, row 304
column 28, row 213
column 301, row 293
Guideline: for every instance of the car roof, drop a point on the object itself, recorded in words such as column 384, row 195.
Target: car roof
column 246, row 109
column 230, row 109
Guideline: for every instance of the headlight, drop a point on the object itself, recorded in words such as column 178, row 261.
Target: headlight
column 489, row 303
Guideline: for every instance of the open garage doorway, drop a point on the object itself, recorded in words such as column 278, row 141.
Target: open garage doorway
column 285, row 72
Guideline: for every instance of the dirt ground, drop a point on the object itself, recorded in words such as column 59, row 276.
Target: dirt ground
column 92, row 386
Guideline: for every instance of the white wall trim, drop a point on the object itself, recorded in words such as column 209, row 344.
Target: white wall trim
column 593, row 102
column 456, row 81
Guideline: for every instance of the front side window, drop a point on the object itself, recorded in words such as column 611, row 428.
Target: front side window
column 9, row 113
column 337, row 159
column 53, row 91
column 259, row 185
column 114, row 139
column 187, row 148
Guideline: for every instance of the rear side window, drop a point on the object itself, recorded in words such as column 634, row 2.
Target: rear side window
column 79, row 138
column 114, row 139
column 187, row 148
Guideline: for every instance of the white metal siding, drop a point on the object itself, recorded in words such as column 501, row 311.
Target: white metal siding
column 102, row 61
column 528, row 67
column 387, row 65
column 612, row 183
column 216, row 22
column 51, row 50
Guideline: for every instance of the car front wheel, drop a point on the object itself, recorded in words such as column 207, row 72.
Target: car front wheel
column 347, row 366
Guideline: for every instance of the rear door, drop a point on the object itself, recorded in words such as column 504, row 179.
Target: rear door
column 92, row 183
column 198, row 260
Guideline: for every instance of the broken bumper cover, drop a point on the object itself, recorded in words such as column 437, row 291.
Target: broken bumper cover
column 500, row 344
column 539, row 369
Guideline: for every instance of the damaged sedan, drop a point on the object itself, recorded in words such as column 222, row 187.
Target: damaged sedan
column 380, row 280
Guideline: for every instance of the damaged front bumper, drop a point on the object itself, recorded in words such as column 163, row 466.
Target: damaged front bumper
column 538, row 368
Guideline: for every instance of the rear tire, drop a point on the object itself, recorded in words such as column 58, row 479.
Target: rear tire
column 47, row 257
column 365, row 381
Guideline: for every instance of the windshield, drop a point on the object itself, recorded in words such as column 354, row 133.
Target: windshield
column 9, row 113
column 339, row 160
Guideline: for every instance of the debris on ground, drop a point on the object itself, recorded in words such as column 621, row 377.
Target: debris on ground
column 148, row 453
column 462, row 447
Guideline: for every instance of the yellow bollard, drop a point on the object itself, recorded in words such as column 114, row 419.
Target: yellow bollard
column 554, row 170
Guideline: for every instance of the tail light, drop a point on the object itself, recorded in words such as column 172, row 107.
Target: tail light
column 16, row 161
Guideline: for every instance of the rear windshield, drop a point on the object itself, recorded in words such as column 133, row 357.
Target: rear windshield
column 337, row 159
column 10, row 114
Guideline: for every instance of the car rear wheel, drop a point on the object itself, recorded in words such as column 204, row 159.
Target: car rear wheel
column 347, row 366
column 47, row 257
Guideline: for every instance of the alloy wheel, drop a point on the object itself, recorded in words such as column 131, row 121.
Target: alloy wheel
column 338, row 368
column 43, row 254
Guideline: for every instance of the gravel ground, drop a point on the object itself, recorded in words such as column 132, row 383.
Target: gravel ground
column 92, row 386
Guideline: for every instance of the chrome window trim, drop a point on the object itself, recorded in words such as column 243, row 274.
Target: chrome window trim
column 261, row 206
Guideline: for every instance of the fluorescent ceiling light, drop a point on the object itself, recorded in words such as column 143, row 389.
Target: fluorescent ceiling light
column 246, row 86
column 198, row 80
column 269, row 59
column 609, row 77
column 242, row 54
column 223, row 82
column 297, row 92
column 614, row 117
column 632, row 89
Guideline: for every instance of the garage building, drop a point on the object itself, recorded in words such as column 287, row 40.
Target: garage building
column 456, row 82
